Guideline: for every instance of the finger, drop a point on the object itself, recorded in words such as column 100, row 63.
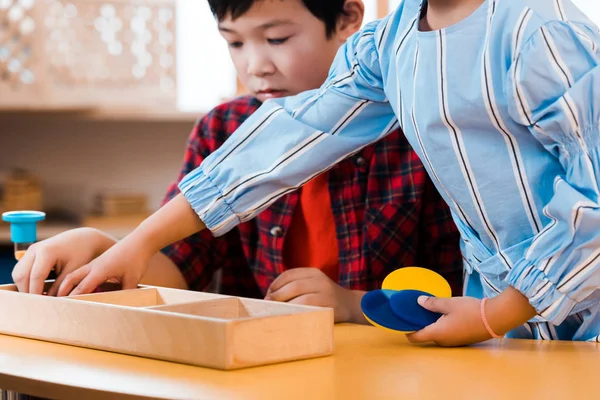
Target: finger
column 53, row 291
column 21, row 271
column 129, row 282
column 72, row 280
column 289, row 276
column 292, row 290
column 428, row 334
column 310, row 299
column 42, row 265
column 436, row 304
column 89, row 283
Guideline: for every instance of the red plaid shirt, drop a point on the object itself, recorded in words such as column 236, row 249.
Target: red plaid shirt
column 387, row 212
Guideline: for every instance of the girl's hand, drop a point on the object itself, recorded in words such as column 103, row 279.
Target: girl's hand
column 124, row 263
column 460, row 325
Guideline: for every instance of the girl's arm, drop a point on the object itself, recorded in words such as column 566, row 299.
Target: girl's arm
column 557, row 78
column 555, row 85
column 279, row 148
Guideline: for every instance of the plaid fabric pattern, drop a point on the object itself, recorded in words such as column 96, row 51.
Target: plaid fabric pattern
column 388, row 215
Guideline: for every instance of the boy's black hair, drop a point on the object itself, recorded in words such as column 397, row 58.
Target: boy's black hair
column 328, row 11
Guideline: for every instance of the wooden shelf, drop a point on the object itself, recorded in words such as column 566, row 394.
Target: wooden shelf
column 143, row 115
column 43, row 232
column 46, row 231
column 106, row 114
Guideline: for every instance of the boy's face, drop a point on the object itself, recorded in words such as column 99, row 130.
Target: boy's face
column 279, row 48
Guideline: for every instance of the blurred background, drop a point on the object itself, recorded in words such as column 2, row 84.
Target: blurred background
column 97, row 98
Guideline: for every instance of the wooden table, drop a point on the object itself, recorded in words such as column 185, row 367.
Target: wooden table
column 368, row 364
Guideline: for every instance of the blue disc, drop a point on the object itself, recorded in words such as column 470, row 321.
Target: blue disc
column 404, row 305
column 376, row 307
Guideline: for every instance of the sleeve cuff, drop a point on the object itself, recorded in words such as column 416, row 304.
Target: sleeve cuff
column 207, row 201
column 551, row 304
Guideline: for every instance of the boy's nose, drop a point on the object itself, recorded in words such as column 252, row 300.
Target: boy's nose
column 260, row 66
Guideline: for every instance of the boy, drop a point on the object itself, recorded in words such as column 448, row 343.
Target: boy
column 371, row 214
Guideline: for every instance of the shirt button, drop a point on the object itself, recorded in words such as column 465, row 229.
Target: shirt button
column 276, row 231
column 360, row 161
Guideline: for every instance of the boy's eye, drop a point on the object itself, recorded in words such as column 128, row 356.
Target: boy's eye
column 235, row 45
column 278, row 41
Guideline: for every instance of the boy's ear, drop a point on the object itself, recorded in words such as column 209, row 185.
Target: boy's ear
column 351, row 20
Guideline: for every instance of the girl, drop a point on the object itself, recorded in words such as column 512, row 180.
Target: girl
column 500, row 99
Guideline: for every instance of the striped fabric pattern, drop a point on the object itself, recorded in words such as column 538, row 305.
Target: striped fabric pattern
column 386, row 210
column 503, row 108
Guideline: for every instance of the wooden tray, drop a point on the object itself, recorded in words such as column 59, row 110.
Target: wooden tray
column 203, row 329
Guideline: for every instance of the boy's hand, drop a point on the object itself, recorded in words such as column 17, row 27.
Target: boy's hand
column 64, row 253
column 310, row 286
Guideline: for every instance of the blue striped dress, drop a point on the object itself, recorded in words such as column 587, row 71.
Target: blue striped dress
column 503, row 108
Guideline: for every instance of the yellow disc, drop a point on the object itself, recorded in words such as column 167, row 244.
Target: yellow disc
column 417, row 278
